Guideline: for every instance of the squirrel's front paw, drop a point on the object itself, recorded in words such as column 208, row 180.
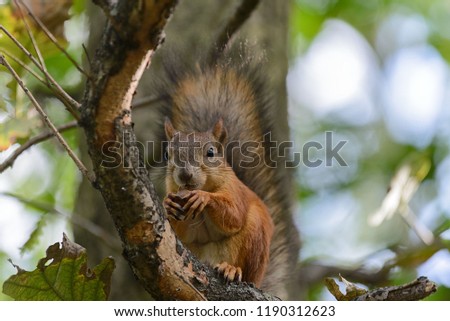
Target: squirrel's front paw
column 229, row 272
column 173, row 208
column 196, row 202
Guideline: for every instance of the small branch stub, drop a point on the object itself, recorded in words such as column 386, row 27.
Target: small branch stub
column 418, row 289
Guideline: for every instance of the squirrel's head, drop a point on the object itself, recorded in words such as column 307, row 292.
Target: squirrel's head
column 195, row 160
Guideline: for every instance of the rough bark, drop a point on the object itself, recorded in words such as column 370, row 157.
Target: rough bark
column 418, row 289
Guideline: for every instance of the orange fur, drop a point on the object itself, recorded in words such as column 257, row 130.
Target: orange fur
column 221, row 221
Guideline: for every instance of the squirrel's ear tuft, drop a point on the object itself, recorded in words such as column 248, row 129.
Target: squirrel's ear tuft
column 168, row 127
column 219, row 131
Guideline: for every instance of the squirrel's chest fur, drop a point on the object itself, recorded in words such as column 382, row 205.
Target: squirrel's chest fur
column 204, row 239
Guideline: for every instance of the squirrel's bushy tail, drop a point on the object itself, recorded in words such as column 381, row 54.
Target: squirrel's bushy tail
column 194, row 97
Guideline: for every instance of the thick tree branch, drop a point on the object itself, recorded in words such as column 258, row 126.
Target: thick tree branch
column 160, row 262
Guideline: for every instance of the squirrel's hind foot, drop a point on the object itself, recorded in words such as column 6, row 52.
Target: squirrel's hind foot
column 229, row 272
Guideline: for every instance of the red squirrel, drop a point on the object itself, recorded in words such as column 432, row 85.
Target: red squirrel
column 214, row 214
column 241, row 203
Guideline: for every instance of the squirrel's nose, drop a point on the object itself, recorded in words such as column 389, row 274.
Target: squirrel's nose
column 184, row 175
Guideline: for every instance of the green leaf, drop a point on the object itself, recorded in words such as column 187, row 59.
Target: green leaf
column 62, row 275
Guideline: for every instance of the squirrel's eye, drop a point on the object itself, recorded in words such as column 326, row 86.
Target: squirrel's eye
column 166, row 155
column 210, row 152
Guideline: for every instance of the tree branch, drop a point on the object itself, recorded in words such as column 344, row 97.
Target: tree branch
column 416, row 290
column 26, row 67
column 32, row 72
column 166, row 269
column 33, row 141
column 313, row 273
column 241, row 15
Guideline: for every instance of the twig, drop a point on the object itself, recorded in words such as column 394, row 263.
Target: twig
column 71, row 104
column 53, row 38
column 87, row 56
column 416, row 290
column 79, row 221
column 30, row 34
column 241, row 15
column 33, row 141
column 139, row 103
column 25, row 66
column 144, row 101
column 32, row 72
column 47, row 121
column 424, row 234
column 312, row 273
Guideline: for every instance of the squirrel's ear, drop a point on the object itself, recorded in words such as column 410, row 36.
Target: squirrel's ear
column 168, row 127
column 219, row 131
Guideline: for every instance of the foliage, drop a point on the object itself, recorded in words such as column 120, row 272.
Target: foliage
column 19, row 123
column 308, row 17
column 62, row 275
column 399, row 181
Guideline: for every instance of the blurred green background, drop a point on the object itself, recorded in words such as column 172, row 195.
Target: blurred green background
column 375, row 73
